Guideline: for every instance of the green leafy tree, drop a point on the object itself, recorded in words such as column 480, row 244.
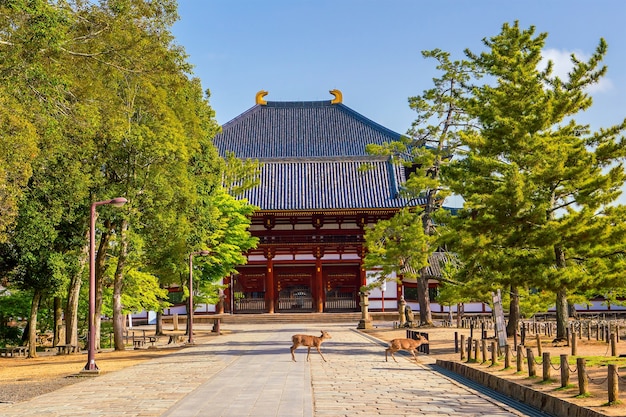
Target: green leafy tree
column 121, row 117
column 539, row 188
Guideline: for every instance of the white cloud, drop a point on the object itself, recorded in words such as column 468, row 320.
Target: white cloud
column 562, row 64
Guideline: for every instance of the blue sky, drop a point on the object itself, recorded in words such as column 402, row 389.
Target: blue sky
column 298, row 50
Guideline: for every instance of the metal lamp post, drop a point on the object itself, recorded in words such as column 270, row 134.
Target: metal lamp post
column 91, row 342
column 190, row 311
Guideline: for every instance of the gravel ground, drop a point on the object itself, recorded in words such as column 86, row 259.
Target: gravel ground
column 21, row 391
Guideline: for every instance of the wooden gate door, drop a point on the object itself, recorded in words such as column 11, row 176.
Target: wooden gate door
column 249, row 291
column 341, row 284
column 293, row 286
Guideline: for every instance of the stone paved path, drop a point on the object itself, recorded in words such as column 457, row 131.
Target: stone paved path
column 250, row 373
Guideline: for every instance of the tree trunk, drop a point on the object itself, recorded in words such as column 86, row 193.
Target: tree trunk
column 562, row 312
column 562, row 315
column 426, row 317
column 118, row 284
column 73, row 294
column 572, row 310
column 58, row 321
column 158, row 330
column 32, row 325
column 514, row 313
column 100, row 265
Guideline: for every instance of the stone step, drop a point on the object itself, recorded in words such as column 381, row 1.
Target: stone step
column 291, row 317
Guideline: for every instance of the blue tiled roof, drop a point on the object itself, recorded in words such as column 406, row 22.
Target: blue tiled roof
column 300, row 129
column 325, row 184
column 312, row 154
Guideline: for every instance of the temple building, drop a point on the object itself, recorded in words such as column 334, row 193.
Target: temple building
column 319, row 191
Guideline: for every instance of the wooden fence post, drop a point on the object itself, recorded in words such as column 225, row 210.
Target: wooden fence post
column 520, row 358
column 483, row 349
column 613, row 345
column 507, row 356
column 583, row 382
column 564, row 371
column 494, row 353
column 613, row 384
column 574, row 347
column 546, row 366
column 531, row 362
column 477, row 356
column 462, row 347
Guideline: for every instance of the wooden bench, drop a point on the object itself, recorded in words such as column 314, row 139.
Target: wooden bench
column 66, row 349
column 139, row 342
column 14, row 351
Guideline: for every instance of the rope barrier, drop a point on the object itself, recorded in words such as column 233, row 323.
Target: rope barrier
column 591, row 380
column 619, row 377
column 556, row 368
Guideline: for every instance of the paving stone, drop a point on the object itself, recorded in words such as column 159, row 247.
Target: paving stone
column 250, row 373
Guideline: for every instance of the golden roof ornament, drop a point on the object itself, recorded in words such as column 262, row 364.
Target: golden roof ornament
column 259, row 98
column 338, row 96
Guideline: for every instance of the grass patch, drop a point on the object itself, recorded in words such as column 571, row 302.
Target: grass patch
column 593, row 360
column 547, row 381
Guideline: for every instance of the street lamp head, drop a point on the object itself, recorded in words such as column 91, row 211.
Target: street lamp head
column 118, row 201
column 204, row 253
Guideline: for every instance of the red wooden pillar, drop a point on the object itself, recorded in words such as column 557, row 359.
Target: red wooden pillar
column 319, row 282
column 271, row 295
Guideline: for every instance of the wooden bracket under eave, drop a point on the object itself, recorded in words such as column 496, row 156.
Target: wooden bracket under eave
column 259, row 98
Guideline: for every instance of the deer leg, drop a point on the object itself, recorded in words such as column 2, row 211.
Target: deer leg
column 293, row 357
column 308, row 353
column 320, row 352
column 414, row 355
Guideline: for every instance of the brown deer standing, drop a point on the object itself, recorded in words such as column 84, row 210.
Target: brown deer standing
column 409, row 345
column 308, row 341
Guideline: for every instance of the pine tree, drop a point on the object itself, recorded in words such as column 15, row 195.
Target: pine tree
column 429, row 145
column 539, row 188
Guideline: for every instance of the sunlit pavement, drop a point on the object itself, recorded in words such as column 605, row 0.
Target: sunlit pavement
column 249, row 372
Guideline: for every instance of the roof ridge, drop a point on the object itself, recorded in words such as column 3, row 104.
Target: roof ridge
column 318, row 103
column 326, row 159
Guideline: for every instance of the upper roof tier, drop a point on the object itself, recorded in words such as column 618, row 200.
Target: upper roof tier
column 312, row 156
column 304, row 129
